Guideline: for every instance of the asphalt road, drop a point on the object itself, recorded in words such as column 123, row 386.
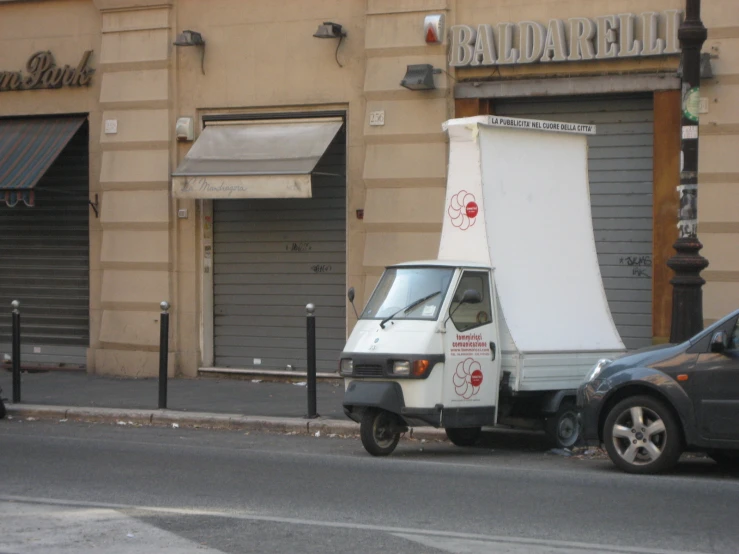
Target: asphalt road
column 83, row 488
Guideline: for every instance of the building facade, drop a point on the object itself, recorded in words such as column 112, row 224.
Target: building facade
column 220, row 156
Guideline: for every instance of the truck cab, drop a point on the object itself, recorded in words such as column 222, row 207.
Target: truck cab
column 430, row 328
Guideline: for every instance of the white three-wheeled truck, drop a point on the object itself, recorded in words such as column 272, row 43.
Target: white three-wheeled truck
column 504, row 325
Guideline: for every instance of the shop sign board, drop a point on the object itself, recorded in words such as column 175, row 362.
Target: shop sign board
column 242, row 186
column 625, row 35
column 42, row 72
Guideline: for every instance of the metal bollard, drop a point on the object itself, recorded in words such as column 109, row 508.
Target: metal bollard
column 163, row 354
column 16, row 351
column 311, row 334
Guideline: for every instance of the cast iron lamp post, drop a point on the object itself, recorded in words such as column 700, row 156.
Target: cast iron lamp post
column 687, row 263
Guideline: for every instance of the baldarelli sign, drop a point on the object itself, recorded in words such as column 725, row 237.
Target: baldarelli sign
column 577, row 39
column 42, row 72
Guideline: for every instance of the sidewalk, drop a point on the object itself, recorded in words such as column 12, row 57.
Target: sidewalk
column 252, row 403
column 209, row 394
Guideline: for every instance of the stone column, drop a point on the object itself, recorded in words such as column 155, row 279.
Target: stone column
column 134, row 272
column 405, row 159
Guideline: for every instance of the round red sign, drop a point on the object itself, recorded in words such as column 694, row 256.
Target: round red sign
column 471, row 209
column 476, row 378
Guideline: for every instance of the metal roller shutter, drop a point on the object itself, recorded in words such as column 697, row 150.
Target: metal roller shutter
column 270, row 259
column 621, row 185
column 44, row 255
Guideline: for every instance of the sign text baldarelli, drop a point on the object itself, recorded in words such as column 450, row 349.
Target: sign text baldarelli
column 43, row 73
column 625, row 35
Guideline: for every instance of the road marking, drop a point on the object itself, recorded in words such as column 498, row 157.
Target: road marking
column 515, row 545
column 466, row 546
column 58, row 529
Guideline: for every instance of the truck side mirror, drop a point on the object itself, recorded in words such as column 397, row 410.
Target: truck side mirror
column 350, row 296
column 471, row 296
column 718, row 342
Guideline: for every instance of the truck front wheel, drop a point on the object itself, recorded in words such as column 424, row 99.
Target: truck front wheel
column 563, row 428
column 379, row 431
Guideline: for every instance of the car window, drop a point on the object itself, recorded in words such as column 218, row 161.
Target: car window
column 469, row 316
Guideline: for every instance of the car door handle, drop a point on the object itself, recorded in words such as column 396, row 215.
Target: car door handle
column 492, row 349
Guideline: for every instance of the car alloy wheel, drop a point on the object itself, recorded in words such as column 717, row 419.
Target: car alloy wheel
column 642, row 436
column 639, row 435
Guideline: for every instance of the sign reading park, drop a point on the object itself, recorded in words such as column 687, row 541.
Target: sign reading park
column 42, row 72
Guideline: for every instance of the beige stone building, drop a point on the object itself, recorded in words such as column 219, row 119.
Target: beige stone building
column 247, row 168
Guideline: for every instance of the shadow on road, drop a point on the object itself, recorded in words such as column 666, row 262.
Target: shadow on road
column 690, row 465
column 514, row 440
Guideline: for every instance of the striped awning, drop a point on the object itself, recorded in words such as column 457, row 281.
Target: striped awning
column 28, row 147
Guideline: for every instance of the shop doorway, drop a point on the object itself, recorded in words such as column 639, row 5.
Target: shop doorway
column 271, row 257
column 44, row 246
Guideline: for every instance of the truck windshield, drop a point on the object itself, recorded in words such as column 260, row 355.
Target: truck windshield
column 409, row 293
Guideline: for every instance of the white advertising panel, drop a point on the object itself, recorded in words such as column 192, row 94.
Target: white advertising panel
column 536, row 216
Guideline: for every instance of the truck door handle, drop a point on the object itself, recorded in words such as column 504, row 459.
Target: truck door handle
column 492, row 349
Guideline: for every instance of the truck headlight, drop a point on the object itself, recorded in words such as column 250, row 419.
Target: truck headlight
column 401, row 367
column 597, row 368
column 346, row 366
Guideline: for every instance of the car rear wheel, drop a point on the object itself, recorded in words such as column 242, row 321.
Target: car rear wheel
column 642, row 436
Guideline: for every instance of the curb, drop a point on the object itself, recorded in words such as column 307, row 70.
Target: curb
column 205, row 420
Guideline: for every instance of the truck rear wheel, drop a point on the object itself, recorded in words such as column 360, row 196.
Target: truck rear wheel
column 563, row 428
column 379, row 431
column 467, row 436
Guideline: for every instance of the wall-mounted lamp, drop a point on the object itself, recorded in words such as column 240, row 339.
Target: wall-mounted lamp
column 193, row 38
column 330, row 29
column 419, row 77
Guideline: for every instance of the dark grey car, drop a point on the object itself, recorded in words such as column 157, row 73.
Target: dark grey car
column 649, row 406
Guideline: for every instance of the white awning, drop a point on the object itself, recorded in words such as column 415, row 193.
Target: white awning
column 254, row 159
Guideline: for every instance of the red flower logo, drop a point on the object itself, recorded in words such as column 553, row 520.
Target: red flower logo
column 468, row 378
column 463, row 210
